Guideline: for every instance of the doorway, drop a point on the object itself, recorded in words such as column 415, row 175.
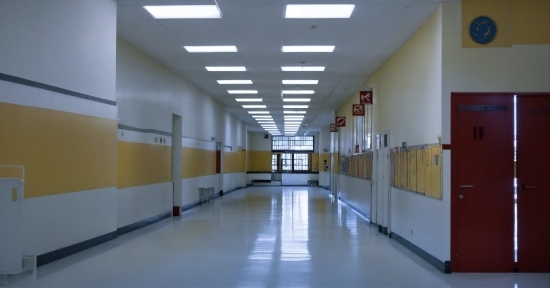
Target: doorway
column 381, row 197
column 176, row 163
column 490, row 231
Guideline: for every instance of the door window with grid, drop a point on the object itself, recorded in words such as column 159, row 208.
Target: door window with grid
column 288, row 160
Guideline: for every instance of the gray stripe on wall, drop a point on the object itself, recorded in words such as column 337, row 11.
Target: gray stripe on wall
column 30, row 83
column 152, row 131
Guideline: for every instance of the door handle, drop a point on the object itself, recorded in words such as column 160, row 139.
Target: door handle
column 460, row 197
column 523, row 186
column 466, row 186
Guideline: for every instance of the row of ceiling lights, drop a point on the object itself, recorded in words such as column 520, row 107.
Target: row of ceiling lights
column 292, row 123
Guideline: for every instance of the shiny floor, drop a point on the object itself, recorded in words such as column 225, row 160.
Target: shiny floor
column 260, row 237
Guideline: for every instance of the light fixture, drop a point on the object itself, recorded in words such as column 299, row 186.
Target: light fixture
column 319, row 11
column 248, row 99
column 183, row 11
column 297, row 117
column 266, row 122
column 254, row 106
column 292, row 82
column 292, row 112
column 234, row 81
column 308, row 48
column 292, row 123
column 261, row 116
column 225, row 68
column 258, row 112
column 210, row 49
column 295, row 106
column 242, row 91
column 303, row 68
column 296, row 99
column 298, row 91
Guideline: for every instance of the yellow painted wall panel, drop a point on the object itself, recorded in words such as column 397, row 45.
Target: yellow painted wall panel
column 315, row 162
column 259, row 161
column 517, row 21
column 62, row 152
column 233, row 162
column 143, row 164
column 198, row 162
column 11, row 172
column 531, row 21
column 498, row 10
column 420, row 172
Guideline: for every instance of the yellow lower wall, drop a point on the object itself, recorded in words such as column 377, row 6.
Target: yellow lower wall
column 314, row 162
column 11, row 172
column 259, row 161
column 143, row 164
column 198, row 162
column 234, row 162
column 62, row 152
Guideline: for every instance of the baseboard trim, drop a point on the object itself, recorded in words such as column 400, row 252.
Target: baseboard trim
column 325, row 187
column 233, row 190
column 129, row 228
column 383, row 229
column 443, row 266
column 355, row 209
column 190, row 206
column 73, row 249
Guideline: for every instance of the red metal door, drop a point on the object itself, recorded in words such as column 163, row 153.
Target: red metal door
column 482, row 188
column 533, row 172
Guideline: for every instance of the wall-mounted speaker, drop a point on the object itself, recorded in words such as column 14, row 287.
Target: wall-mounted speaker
column 266, row 136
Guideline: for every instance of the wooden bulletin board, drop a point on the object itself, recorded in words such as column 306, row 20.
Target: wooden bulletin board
column 359, row 166
column 417, row 169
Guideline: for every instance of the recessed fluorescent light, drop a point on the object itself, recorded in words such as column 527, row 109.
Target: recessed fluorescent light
column 183, row 11
column 210, row 49
column 294, row 118
column 319, row 11
column 248, row 99
column 298, row 92
column 295, row 106
column 254, row 106
column 266, row 122
column 296, row 99
column 292, row 82
column 234, row 81
column 303, row 68
column 293, row 112
column 261, row 116
column 225, row 68
column 258, row 112
column 292, row 123
column 308, row 48
column 242, row 91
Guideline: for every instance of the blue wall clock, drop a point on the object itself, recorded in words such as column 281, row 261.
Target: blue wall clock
column 483, row 30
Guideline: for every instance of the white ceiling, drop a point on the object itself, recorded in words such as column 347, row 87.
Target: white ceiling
column 376, row 30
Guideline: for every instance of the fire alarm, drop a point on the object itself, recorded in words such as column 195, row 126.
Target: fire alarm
column 266, row 136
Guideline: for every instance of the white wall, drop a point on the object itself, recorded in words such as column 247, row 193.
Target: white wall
column 257, row 142
column 70, row 45
column 148, row 94
column 357, row 192
column 60, row 43
column 407, row 101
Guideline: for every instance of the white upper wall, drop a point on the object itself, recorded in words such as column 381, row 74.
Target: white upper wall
column 73, row 50
column 148, row 94
column 406, row 92
column 520, row 68
column 257, row 142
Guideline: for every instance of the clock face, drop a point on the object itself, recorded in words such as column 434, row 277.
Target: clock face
column 483, row 30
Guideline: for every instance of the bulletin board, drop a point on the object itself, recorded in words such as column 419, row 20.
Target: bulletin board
column 358, row 166
column 417, row 169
